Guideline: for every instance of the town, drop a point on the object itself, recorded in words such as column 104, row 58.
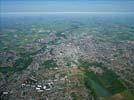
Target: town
column 66, row 59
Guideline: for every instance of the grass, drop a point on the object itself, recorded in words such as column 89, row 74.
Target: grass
column 127, row 95
column 19, row 65
column 103, row 85
column 94, row 85
column 50, row 63
column 86, row 64
column 75, row 96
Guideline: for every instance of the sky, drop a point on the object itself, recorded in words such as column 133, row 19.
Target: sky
column 21, row 6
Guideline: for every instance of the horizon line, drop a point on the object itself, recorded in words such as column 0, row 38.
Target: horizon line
column 12, row 13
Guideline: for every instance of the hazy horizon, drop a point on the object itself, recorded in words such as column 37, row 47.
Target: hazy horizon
column 65, row 6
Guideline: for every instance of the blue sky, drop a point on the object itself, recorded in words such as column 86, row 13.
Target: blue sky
column 10, row 6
